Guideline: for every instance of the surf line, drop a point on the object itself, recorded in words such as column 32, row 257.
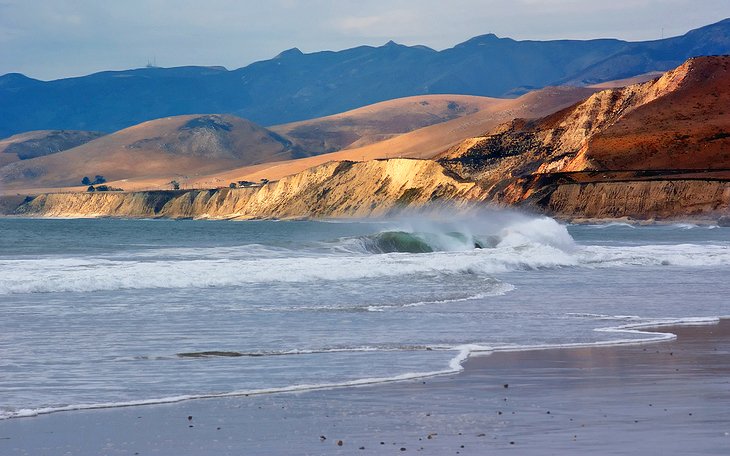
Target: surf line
column 650, row 329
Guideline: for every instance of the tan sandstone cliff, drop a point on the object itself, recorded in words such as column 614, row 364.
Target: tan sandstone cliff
column 335, row 189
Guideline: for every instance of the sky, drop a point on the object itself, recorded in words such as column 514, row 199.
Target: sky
column 51, row 39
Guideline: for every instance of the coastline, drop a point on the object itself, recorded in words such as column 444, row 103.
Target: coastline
column 707, row 221
column 669, row 397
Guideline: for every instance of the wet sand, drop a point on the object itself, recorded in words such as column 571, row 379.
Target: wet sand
column 664, row 398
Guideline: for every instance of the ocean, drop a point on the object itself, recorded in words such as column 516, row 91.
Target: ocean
column 107, row 312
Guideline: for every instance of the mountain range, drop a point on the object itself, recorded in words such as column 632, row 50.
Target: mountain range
column 295, row 86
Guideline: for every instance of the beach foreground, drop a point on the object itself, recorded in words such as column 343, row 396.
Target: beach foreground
column 662, row 398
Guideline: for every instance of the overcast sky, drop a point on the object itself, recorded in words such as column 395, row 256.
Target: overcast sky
column 49, row 39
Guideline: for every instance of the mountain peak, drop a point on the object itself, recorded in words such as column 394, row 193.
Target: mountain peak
column 293, row 52
column 484, row 40
column 16, row 80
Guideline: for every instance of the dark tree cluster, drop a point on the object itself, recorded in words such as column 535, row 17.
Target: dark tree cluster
column 97, row 180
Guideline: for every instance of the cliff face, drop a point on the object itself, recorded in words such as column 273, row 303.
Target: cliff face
column 576, row 138
column 641, row 200
column 335, row 189
column 621, row 152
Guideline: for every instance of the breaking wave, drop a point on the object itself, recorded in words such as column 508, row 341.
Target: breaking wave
column 410, row 248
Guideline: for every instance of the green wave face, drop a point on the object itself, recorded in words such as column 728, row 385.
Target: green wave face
column 423, row 242
column 400, row 241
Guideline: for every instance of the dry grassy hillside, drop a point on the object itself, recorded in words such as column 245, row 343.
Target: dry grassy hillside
column 380, row 121
column 164, row 149
column 678, row 121
column 32, row 144
column 689, row 128
column 422, row 143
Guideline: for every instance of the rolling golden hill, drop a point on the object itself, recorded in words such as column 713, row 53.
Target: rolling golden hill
column 163, row 149
column 33, row 144
column 422, row 143
column 185, row 148
column 380, row 121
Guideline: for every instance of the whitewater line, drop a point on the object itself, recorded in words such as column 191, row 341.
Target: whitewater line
column 455, row 366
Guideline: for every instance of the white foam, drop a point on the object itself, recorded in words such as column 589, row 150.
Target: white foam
column 538, row 231
column 602, row 316
column 539, row 244
column 500, row 289
column 85, row 275
column 691, row 255
column 685, row 226
column 632, row 328
column 610, row 225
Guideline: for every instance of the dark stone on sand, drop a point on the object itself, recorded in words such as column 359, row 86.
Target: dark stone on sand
column 512, row 443
column 403, row 448
column 361, row 448
column 340, row 443
column 506, row 385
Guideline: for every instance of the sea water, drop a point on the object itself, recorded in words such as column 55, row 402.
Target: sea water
column 103, row 313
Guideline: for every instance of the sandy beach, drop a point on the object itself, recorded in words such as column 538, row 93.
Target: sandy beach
column 662, row 398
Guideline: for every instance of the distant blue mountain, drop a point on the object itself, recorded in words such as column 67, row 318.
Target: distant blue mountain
column 295, row 86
